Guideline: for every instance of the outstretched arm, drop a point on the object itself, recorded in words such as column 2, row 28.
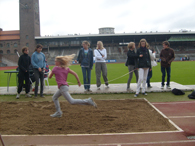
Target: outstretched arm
column 50, row 74
column 76, row 76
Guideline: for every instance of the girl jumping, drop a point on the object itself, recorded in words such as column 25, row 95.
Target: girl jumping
column 61, row 71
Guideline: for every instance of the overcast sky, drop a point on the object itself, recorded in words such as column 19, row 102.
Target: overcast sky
column 86, row 16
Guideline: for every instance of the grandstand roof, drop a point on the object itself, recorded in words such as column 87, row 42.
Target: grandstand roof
column 182, row 38
column 116, row 35
column 9, row 35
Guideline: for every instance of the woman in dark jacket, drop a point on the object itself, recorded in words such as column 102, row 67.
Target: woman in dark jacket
column 23, row 64
column 85, row 58
column 144, row 63
column 131, row 63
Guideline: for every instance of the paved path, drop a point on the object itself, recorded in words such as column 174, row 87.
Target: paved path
column 113, row 88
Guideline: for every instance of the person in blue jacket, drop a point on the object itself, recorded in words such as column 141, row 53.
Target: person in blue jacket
column 85, row 58
column 38, row 63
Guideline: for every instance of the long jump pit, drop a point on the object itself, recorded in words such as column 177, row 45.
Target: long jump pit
column 29, row 123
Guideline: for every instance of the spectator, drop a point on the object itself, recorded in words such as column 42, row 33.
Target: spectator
column 144, row 63
column 152, row 57
column 38, row 62
column 167, row 55
column 131, row 63
column 85, row 58
column 100, row 64
column 23, row 65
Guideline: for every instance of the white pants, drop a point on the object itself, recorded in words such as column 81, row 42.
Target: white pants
column 64, row 92
column 143, row 73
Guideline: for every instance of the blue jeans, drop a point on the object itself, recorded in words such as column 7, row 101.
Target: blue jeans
column 86, row 77
column 149, row 77
column 168, row 70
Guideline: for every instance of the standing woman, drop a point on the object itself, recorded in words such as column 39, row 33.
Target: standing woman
column 38, row 62
column 144, row 63
column 85, row 58
column 23, row 64
column 131, row 63
column 100, row 64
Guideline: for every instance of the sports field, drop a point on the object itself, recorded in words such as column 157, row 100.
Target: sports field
column 181, row 72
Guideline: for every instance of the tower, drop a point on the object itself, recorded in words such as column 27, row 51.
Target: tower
column 29, row 23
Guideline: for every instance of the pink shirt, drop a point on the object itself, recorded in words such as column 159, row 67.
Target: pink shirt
column 61, row 75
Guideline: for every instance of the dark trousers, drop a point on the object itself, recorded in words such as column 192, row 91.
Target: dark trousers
column 86, row 77
column 21, row 77
column 149, row 77
column 164, row 70
column 38, row 75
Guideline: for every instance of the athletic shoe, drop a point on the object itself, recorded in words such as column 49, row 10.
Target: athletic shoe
column 168, row 87
column 98, row 88
column 149, row 86
column 28, row 95
column 56, row 114
column 136, row 95
column 85, row 90
column 89, row 90
column 144, row 93
column 162, row 87
column 107, row 86
column 17, row 96
column 129, row 89
column 91, row 102
column 42, row 96
column 35, row 96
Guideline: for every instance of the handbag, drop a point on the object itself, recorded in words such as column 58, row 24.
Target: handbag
column 153, row 63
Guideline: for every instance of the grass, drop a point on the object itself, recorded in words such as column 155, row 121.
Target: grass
column 181, row 72
column 152, row 97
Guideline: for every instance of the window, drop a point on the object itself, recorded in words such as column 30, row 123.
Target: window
column 27, row 37
column 15, row 51
column 1, row 45
column 15, row 45
column 8, row 45
column 8, row 52
column 1, row 51
column 27, row 44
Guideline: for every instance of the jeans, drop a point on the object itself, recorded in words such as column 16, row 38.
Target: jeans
column 86, row 77
column 38, row 75
column 143, row 73
column 164, row 70
column 101, row 67
column 64, row 92
column 149, row 77
column 132, row 67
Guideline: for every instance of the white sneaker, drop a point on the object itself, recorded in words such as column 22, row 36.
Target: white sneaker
column 56, row 114
column 98, row 88
column 85, row 90
column 17, row 96
column 162, row 87
column 168, row 87
column 91, row 102
column 107, row 86
column 28, row 95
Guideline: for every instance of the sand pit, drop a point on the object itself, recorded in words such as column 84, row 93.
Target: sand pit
column 111, row 116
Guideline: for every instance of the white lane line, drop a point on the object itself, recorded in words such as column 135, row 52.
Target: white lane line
column 181, row 117
column 175, row 102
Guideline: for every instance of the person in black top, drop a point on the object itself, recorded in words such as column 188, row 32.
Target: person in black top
column 23, row 64
column 144, row 63
column 131, row 63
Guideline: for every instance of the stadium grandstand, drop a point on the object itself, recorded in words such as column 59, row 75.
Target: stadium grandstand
column 11, row 42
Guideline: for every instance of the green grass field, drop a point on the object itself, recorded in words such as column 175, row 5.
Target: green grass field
column 182, row 72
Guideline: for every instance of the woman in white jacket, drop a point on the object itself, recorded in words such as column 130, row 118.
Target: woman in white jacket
column 100, row 64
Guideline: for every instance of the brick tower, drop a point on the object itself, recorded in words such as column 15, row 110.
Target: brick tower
column 29, row 23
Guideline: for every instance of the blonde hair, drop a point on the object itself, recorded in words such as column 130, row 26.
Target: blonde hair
column 65, row 61
column 86, row 42
column 101, row 45
column 143, row 40
column 130, row 45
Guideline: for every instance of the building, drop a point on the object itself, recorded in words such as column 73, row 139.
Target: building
column 11, row 42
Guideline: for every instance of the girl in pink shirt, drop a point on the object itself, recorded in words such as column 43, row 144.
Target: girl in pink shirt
column 61, row 71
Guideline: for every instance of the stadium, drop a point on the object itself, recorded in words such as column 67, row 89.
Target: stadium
column 161, row 118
